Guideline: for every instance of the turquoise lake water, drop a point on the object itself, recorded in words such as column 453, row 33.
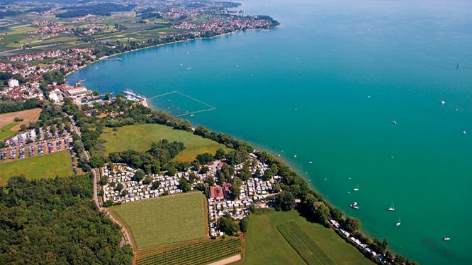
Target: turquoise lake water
column 325, row 86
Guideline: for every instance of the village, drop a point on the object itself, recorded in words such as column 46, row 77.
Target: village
column 122, row 187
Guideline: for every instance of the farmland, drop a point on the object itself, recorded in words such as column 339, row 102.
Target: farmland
column 164, row 220
column 48, row 166
column 140, row 137
column 310, row 252
column 27, row 116
column 266, row 244
column 202, row 252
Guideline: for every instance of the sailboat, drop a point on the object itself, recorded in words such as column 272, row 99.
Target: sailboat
column 355, row 206
column 391, row 208
column 398, row 223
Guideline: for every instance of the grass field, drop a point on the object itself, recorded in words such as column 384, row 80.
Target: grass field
column 192, row 253
column 164, row 220
column 47, row 166
column 310, row 252
column 140, row 137
column 8, row 126
column 266, row 245
column 7, row 132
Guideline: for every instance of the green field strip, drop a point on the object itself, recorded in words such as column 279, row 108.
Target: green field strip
column 308, row 250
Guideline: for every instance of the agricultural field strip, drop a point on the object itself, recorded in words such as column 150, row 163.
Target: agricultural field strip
column 310, row 252
column 178, row 218
column 199, row 253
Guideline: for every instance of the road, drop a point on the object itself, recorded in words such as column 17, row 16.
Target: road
column 126, row 238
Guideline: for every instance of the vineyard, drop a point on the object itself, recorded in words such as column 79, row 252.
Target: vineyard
column 202, row 252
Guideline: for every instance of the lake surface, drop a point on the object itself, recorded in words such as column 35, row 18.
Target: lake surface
column 326, row 86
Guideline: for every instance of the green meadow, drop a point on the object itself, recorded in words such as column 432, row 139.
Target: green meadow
column 46, row 166
column 140, row 137
column 7, row 132
column 288, row 238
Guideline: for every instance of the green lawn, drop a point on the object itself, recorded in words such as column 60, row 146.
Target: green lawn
column 46, row 166
column 164, row 220
column 265, row 244
column 140, row 137
column 6, row 132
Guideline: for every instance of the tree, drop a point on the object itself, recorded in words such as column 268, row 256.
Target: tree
column 184, row 185
column 399, row 260
column 139, row 175
column 258, row 173
column 192, row 177
column 284, row 201
column 96, row 162
column 204, row 158
column 274, row 168
column 352, row 224
column 227, row 226
column 147, row 180
column 204, row 170
column 380, row 246
column 220, row 154
column 156, row 185
column 337, row 214
column 226, row 172
column 210, row 180
column 321, row 212
column 268, row 174
column 245, row 172
column 171, row 171
column 235, row 192
column 243, row 225
column 119, row 187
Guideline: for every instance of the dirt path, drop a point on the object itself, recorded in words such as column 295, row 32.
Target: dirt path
column 126, row 239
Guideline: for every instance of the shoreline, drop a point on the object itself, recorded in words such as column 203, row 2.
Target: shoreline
column 160, row 45
column 146, row 102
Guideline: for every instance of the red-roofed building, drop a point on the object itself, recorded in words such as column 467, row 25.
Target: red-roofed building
column 216, row 192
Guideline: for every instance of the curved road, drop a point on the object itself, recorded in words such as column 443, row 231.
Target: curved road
column 126, row 236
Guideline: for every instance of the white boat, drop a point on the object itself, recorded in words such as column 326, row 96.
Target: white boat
column 394, row 122
column 464, row 132
column 398, row 223
column 446, row 238
column 356, row 188
column 310, row 162
column 391, row 208
column 443, row 102
column 355, row 206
